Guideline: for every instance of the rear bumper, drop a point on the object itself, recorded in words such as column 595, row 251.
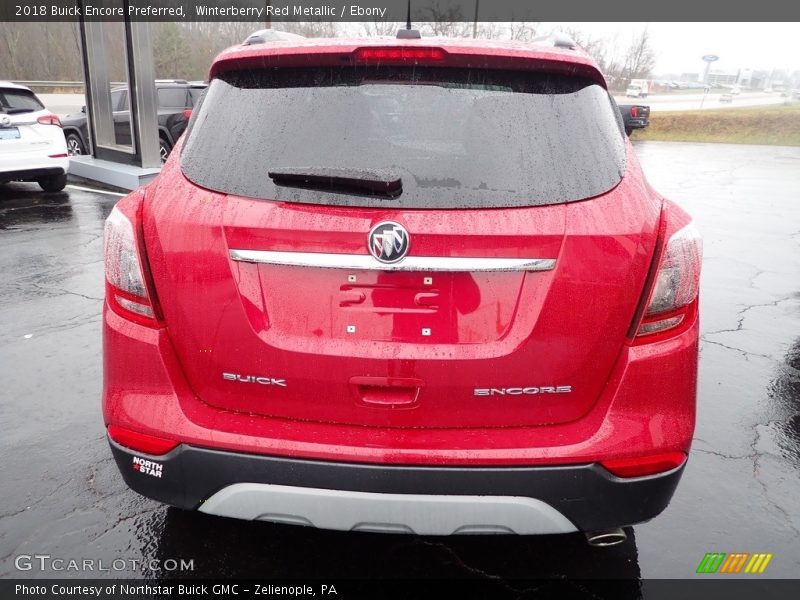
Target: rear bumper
column 56, row 166
column 637, row 123
column 398, row 499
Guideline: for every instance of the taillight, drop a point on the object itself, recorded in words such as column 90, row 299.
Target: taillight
column 640, row 466
column 187, row 113
column 126, row 272
column 671, row 297
column 634, row 111
column 147, row 444
column 49, row 120
column 400, row 54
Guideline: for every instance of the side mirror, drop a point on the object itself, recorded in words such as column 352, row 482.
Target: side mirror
column 83, row 108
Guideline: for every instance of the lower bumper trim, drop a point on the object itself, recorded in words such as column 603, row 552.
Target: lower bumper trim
column 464, row 499
column 386, row 513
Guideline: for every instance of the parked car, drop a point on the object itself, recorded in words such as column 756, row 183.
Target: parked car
column 379, row 288
column 634, row 116
column 32, row 145
column 637, row 90
column 175, row 100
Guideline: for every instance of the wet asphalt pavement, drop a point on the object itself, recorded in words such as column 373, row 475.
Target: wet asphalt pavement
column 61, row 493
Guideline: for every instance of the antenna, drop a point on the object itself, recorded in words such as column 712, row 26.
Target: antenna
column 408, row 33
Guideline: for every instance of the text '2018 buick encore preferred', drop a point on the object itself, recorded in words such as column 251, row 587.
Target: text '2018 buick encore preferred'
column 403, row 286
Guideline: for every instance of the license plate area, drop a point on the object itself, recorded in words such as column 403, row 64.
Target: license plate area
column 396, row 306
column 9, row 133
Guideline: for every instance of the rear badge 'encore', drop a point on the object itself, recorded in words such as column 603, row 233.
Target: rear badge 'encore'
column 388, row 242
column 520, row 391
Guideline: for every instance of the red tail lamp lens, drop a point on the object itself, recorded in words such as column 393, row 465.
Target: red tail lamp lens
column 49, row 120
column 141, row 442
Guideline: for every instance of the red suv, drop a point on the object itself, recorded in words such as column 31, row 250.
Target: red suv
column 404, row 286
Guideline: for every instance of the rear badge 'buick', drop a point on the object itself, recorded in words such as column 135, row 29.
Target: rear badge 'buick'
column 254, row 379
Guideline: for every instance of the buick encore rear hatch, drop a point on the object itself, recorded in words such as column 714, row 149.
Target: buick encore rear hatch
column 277, row 306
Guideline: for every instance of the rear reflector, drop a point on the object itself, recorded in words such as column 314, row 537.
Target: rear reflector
column 639, row 466
column 141, row 442
column 399, row 54
column 58, row 156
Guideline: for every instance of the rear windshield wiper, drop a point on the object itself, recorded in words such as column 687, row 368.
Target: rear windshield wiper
column 369, row 182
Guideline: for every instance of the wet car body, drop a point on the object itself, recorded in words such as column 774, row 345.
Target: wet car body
column 527, row 365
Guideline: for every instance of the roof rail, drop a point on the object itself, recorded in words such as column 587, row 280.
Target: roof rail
column 558, row 40
column 262, row 36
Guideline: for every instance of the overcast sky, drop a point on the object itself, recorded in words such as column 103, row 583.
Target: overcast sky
column 680, row 46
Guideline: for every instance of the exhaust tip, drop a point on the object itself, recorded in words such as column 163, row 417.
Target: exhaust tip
column 603, row 539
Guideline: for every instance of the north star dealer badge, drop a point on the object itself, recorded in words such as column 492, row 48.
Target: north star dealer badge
column 148, row 467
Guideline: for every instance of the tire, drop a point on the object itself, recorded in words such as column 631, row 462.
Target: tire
column 75, row 146
column 628, row 131
column 54, row 183
column 163, row 149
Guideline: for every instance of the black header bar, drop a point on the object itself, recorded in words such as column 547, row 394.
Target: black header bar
column 276, row 11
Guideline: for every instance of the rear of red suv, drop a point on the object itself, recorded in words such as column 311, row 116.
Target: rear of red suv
column 415, row 286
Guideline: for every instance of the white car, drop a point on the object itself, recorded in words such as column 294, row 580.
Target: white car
column 32, row 145
column 634, row 91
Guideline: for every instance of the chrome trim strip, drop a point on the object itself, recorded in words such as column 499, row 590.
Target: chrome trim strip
column 351, row 262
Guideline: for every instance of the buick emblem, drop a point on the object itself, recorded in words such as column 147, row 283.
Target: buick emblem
column 388, row 242
column 5, row 121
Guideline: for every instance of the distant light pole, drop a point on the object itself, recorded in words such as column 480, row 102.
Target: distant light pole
column 708, row 59
column 475, row 20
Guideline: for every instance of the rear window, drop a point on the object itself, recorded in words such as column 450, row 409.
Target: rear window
column 457, row 138
column 174, row 98
column 195, row 93
column 18, row 101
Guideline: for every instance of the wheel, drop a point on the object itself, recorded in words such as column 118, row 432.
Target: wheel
column 75, row 145
column 163, row 149
column 628, row 131
column 54, row 183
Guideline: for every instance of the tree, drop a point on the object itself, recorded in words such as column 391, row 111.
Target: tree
column 445, row 21
column 311, row 29
column 378, row 28
column 640, row 57
column 170, row 51
column 522, row 31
